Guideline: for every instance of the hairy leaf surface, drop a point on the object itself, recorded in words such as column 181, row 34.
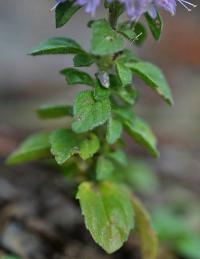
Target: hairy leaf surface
column 89, row 113
column 108, row 213
column 105, row 41
column 64, row 144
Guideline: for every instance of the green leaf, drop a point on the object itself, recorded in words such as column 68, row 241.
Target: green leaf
column 124, row 73
column 116, row 8
column 124, row 113
column 153, row 77
column 54, row 111
column 129, row 56
column 108, row 213
column 119, row 156
column 74, row 76
column 140, row 32
column 105, row 41
column 155, row 25
column 83, row 60
column 135, row 32
column 64, row 144
column 58, row 45
column 114, row 131
column 142, row 134
column 89, row 147
column 128, row 94
column 34, row 147
column 147, row 235
column 89, row 113
column 127, row 30
column 100, row 92
column 104, row 168
column 64, row 12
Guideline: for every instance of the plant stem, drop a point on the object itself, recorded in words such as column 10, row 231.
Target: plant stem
column 113, row 15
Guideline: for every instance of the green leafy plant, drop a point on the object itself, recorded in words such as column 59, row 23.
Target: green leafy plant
column 90, row 146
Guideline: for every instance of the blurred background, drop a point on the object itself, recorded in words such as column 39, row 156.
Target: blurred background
column 169, row 185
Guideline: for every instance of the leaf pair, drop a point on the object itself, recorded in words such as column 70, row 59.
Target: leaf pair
column 63, row 143
column 149, row 73
column 105, row 41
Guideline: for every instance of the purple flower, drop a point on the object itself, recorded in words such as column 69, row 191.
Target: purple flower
column 90, row 5
column 168, row 5
column 136, row 8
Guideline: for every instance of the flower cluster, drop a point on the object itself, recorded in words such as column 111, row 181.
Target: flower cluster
column 136, row 8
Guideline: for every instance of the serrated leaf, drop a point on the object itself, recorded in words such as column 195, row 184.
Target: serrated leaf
column 119, row 156
column 54, row 111
column 34, row 147
column 114, row 131
column 147, row 235
column 108, row 213
column 153, row 77
column 57, row 45
column 105, row 41
column 155, row 25
column 64, row 144
column 74, row 76
column 64, row 12
column 104, row 168
column 142, row 134
column 89, row 113
column 83, row 60
column 89, row 146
